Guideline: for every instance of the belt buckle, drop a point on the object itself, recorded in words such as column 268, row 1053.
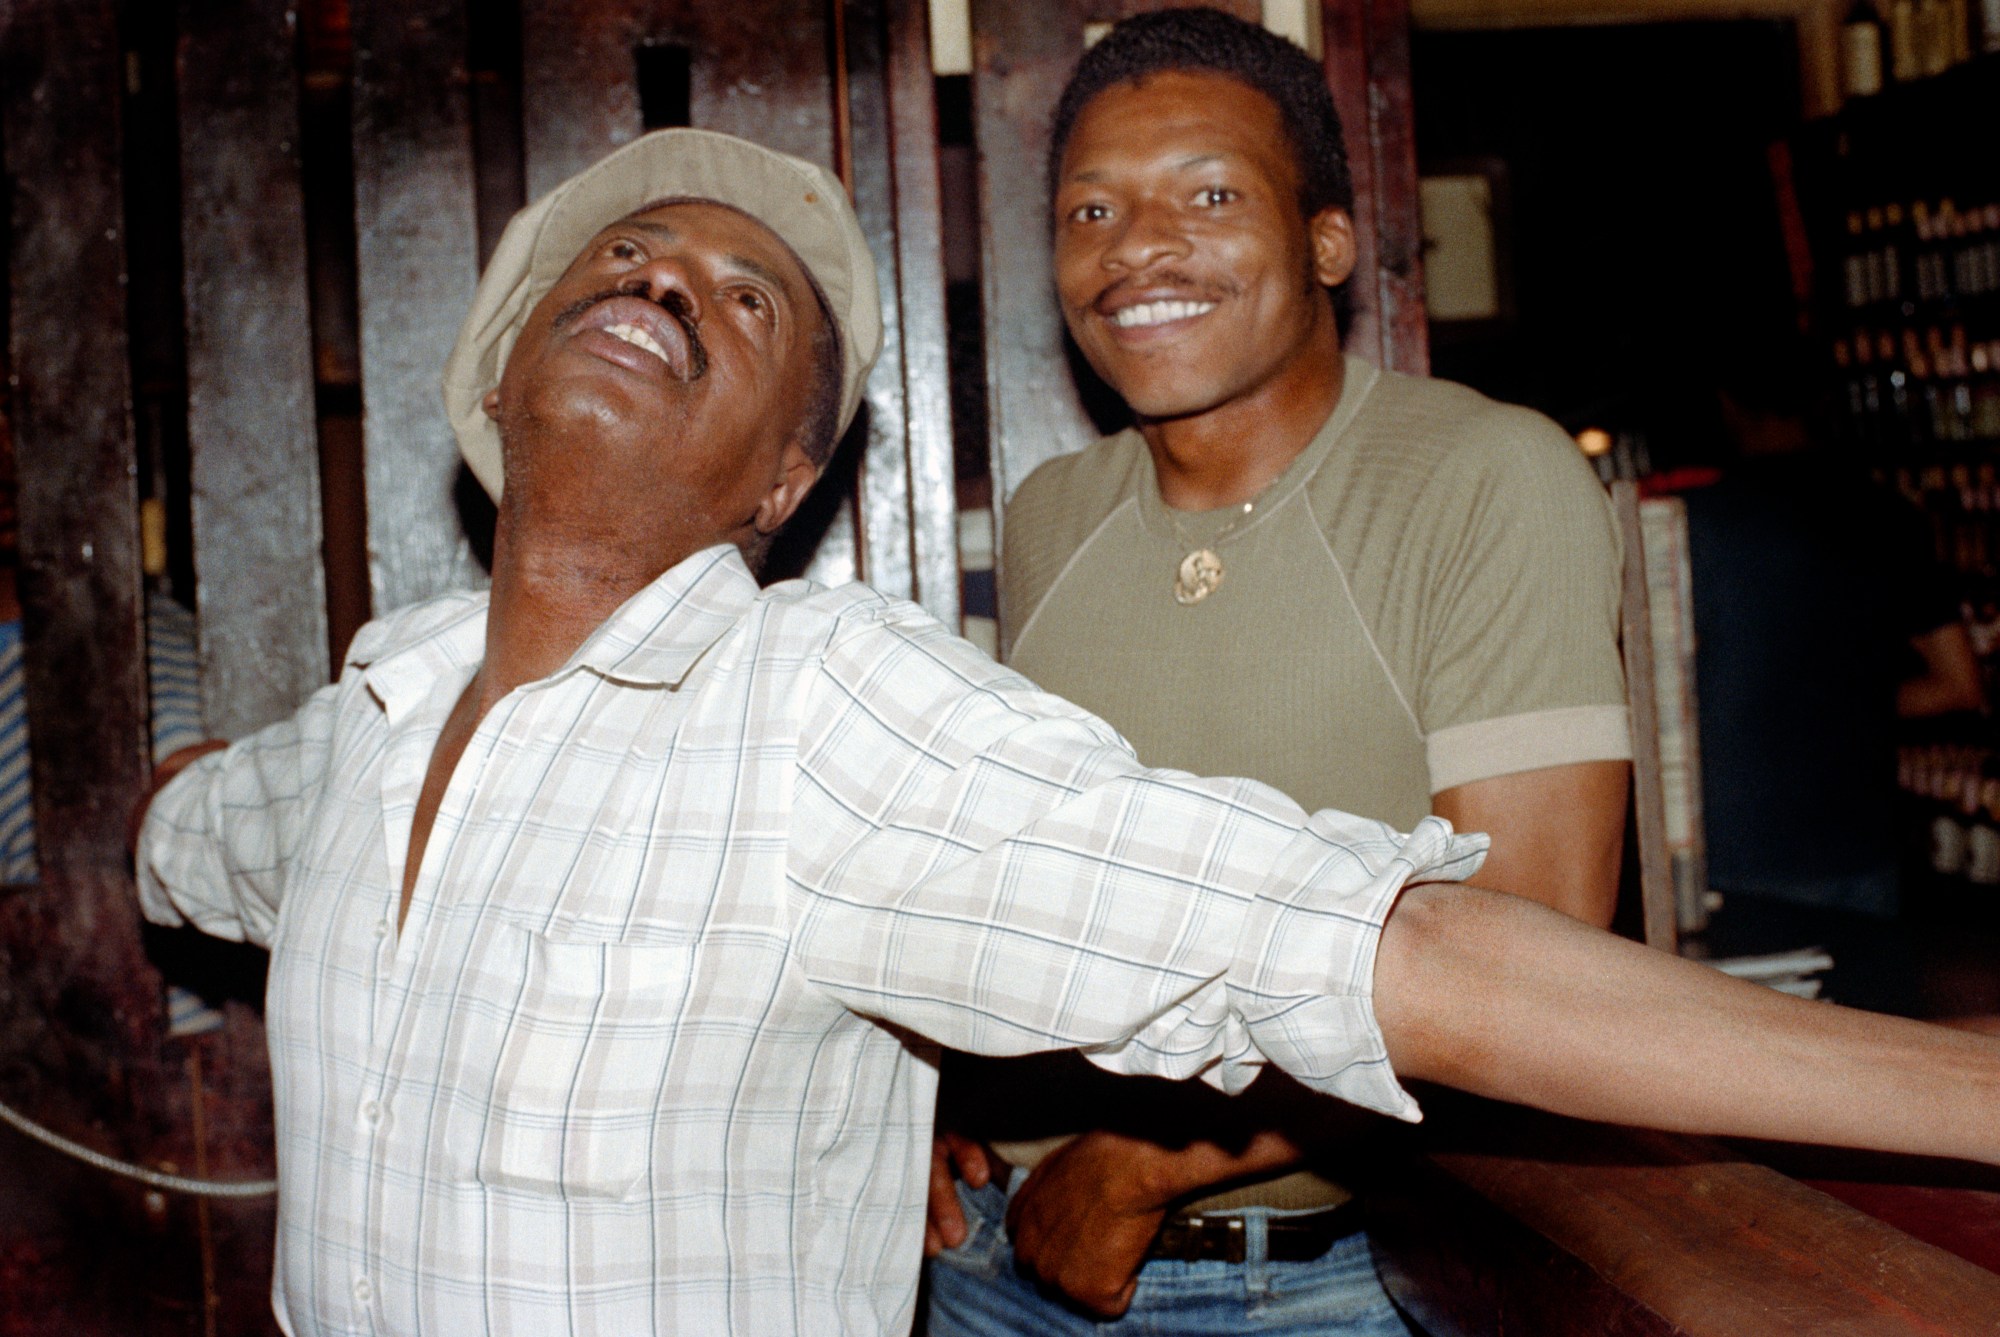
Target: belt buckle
column 1201, row 1239
column 1224, row 1238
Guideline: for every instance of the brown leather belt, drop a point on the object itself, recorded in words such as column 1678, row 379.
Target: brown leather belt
column 1224, row 1237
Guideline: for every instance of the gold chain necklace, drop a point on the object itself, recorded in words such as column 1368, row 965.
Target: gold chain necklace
column 1200, row 572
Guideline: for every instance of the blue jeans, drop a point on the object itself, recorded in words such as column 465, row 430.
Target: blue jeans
column 976, row 1291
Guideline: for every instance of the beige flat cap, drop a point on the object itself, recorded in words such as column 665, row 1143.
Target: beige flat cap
column 804, row 205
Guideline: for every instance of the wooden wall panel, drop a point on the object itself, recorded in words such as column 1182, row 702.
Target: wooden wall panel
column 882, row 491
column 255, row 456
column 416, row 220
column 906, row 488
column 80, row 1014
column 72, row 403
column 758, row 69
column 913, row 134
column 1367, row 61
column 1021, row 56
column 80, row 1010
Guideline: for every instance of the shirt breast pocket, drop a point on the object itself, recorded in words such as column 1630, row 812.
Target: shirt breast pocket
column 576, row 1094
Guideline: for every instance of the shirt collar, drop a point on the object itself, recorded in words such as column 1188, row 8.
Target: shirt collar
column 660, row 633
column 654, row 639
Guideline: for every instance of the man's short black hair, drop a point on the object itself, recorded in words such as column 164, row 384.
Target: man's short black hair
column 1208, row 41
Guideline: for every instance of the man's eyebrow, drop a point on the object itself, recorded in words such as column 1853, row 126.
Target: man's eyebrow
column 750, row 265
column 647, row 225
column 757, row 269
column 1093, row 175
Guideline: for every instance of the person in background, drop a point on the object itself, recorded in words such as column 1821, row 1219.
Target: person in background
column 1378, row 592
column 1822, row 618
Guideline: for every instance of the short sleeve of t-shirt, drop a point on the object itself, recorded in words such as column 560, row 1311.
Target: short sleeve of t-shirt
column 1519, row 653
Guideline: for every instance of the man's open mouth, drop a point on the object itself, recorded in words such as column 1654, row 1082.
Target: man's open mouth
column 638, row 338
column 665, row 331
column 1158, row 313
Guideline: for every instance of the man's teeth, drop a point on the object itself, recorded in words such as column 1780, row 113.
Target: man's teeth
column 1159, row 313
column 638, row 338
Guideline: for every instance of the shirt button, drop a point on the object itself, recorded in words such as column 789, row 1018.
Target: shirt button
column 363, row 1292
column 381, row 928
column 371, row 1111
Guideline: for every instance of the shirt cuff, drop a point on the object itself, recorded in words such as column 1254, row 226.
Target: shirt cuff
column 1480, row 750
column 1305, row 994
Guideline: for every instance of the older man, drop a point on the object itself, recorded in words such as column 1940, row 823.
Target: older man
column 615, row 916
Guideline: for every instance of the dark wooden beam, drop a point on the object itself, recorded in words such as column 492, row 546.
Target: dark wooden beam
column 416, row 220
column 72, row 404
column 252, row 443
column 80, row 1014
column 913, row 133
column 1402, row 328
column 883, row 488
column 1367, row 59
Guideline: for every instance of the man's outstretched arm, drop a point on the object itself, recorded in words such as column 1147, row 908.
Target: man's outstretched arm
column 1505, row 998
column 1084, row 1218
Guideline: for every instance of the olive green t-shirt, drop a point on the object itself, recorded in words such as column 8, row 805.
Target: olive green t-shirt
column 1427, row 596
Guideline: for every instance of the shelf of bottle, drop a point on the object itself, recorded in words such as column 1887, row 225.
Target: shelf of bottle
column 1951, row 805
column 1923, row 103
column 1895, row 419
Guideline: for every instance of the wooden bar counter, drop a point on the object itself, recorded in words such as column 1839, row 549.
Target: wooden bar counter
column 1514, row 1222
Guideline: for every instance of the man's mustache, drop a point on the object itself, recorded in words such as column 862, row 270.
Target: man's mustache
column 1208, row 289
column 674, row 304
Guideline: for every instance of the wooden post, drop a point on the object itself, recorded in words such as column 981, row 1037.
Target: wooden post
column 913, row 143
column 416, row 221
column 1656, row 876
column 1368, row 68
column 72, row 427
column 261, row 603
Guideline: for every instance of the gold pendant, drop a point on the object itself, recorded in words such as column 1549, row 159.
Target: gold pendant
column 1200, row 572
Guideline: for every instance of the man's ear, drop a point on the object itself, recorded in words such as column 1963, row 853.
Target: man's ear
column 1332, row 234
column 796, row 475
column 491, row 404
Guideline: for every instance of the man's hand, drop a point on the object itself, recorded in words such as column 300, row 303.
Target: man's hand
column 952, row 1158
column 1084, row 1218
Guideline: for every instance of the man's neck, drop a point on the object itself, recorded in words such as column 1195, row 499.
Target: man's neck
column 1228, row 454
column 548, row 597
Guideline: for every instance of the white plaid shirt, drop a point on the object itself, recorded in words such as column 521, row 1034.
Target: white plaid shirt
column 654, row 1052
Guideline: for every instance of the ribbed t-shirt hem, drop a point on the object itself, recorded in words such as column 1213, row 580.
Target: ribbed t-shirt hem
column 1483, row 749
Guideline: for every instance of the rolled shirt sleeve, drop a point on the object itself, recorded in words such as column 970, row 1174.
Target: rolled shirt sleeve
column 219, row 840
column 990, row 867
